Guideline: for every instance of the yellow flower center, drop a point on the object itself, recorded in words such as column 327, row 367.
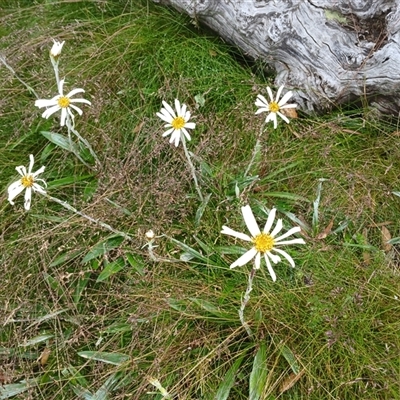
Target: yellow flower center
column 63, row 102
column 178, row 123
column 27, row 181
column 263, row 242
column 274, row 107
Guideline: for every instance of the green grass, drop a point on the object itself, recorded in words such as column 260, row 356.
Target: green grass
column 329, row 327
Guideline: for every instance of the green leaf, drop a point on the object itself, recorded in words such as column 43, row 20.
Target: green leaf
column 90, row 190
column 61, row 141
column 291, row 359
column 285, row 195
column 67, row 181
column 103, row 247
column 194, row 253
column 136, row 264
column 80, row 286
column 108, row 358
column 36, row 340
column 177, row 305
column 207, row 306
column 12, row 389
column 258, row 376
column 46, row 152
column 396, row 193
column 70, row 255
column 395, row 240
column 202, row 207
column 228, row 382
column 111, row 269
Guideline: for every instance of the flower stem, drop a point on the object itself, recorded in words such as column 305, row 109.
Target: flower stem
column 256, row 150
column 245, row 300
column 70, row 125
column 192, row 169
column 96, row 221
column 54, row 63
column 30, row 88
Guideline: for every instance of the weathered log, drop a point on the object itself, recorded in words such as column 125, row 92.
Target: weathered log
column 329, row 51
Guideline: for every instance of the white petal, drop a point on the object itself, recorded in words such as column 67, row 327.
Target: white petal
column 31, row 162
column 190, row 125
column 183, row 112
column 260, row 110
column 283, row 117
column 45, row 103
column 38, row 188
column 46, row 114
column 286, row 255
column 278, row 94
column 21, row 170
column 289, row 106
column 28, row 198
column 74, row 91
column 257, row 261
column 291, row 241
column 245, row 258
column 288, row 233
column 80, row 101
column 270, row 220
column 186, row 133
column 285, row 98
column 164, row 116
column 14, row 190
column 250, row 221
column 169, row 109
column 176, row 136
column 60, row 87
column 272, row 117
column 63, row 116
column 274, row 258
column 186, row 116
column 231, row 232
column 77, row 109
column 261, row 101
column 270, row 94
column 168, row 132
column 269, row 266
column 38, row 172
column 178, row 107
column 278, row 228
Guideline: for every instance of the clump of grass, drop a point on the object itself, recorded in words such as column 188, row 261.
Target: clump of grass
column 91, row 314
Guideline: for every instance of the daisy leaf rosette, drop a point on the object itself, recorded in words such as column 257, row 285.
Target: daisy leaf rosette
column 62, row 102
column 28, row 182
column 177, row 121
column 265, row 243
column 274, row 106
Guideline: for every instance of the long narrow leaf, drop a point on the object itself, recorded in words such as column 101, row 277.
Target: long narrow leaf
column 108, row 358
column 228, row 382
column 258, row 374
column 12, row 389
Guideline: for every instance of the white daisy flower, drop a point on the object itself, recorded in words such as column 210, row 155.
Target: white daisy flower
column 56, row 49
column 176, row 121
column 28, row 181
column 274, row 106
column 263, row 242
column 62, row 102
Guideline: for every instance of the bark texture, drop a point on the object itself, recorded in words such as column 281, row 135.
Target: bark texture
column 328, row 51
